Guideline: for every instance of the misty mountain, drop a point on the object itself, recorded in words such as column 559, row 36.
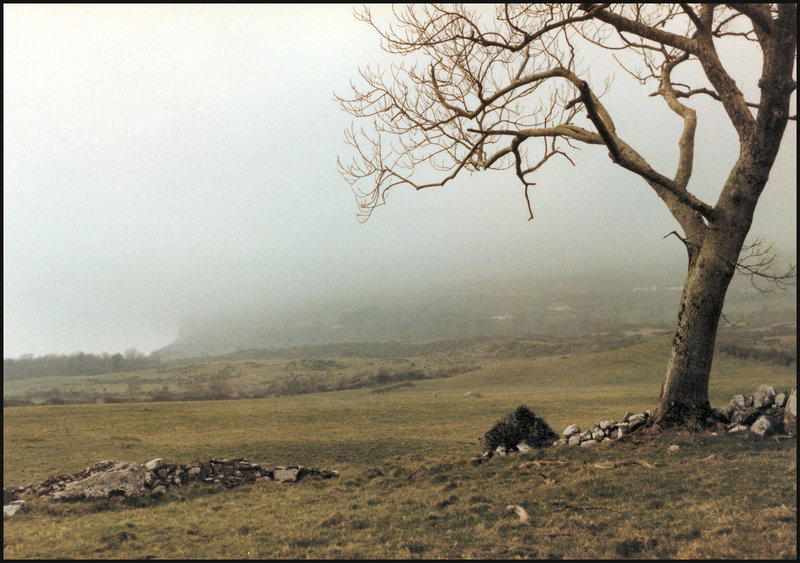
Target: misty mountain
column 502, row 308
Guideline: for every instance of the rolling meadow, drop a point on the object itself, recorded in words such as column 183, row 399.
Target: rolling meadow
column 291, row 281
column 408, row 486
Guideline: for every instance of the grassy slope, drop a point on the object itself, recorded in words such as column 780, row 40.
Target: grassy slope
column 406, row 488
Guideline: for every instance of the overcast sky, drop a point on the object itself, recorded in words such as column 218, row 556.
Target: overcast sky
column 161, row 160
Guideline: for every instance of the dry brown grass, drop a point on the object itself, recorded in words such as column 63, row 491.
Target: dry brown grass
column 407, row 488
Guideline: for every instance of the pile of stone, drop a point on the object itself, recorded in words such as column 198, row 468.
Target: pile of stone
column 763, row 413
column 603, row 431
column 109, row 479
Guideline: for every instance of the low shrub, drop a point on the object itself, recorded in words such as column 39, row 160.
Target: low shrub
column 520, row 426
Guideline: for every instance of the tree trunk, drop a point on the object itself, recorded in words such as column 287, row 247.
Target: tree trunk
column 684, row 393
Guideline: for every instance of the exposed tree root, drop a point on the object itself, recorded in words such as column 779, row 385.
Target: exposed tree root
column 692, row 417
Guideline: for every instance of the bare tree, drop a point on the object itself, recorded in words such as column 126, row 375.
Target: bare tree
column 508, row 92
column 133, row 354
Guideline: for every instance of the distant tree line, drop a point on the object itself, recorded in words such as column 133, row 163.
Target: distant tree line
column 79, row 363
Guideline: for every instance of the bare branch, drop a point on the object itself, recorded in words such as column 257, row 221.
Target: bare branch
column 758, row 14
column 701, row 27
column 686, row 142
column 626, row 157
column 729, row 323
column 683, row 240
column 757, row 262
column 485, row 88
column 731, row 97
column 635, row 27
column 713, row 94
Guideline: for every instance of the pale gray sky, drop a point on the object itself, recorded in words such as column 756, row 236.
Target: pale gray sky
column 161, row 160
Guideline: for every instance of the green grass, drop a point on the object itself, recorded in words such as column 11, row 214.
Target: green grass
column 407, row 488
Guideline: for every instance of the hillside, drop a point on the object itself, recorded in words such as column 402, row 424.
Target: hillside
column 503, row 309
column 407, row 487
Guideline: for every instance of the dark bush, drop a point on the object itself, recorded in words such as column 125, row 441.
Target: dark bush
column 520, row 426
column 55, row 401
column 16, row 402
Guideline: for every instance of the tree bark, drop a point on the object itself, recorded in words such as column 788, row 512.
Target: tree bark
column 684, row 393
column 712, row 262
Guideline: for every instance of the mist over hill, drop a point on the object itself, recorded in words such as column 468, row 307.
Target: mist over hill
column 506, row 308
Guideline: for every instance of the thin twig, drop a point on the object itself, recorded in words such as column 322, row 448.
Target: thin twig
column 625, row 462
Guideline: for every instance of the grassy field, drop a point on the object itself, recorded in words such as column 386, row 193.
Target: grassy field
column 407, row 488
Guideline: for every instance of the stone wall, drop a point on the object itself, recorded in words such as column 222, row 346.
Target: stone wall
column 762, row 413
column 108, row 479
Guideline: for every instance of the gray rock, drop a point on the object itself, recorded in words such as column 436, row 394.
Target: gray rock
column 11, row 494
column 780, row 400
column 154, row 464
column 120, row 478
column 158, row 491
column 762, row 427
column 628, row 414
column 598, row 435
column 636, row 421
column 501, row 451
column 570, row 430
column 290, row 474
column 605, row 424
column 745, row 417
column 790, row 413
column 523, row 447
column 775, row 415
column 587, row 435
column 473, row 394
column 763, row 396
column 13, row 508
column 194, row 471
column 737, row 403
column 737, row 428
column 574, row 440
column 589, row 443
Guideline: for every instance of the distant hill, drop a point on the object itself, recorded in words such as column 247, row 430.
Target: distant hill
column 503, row 308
